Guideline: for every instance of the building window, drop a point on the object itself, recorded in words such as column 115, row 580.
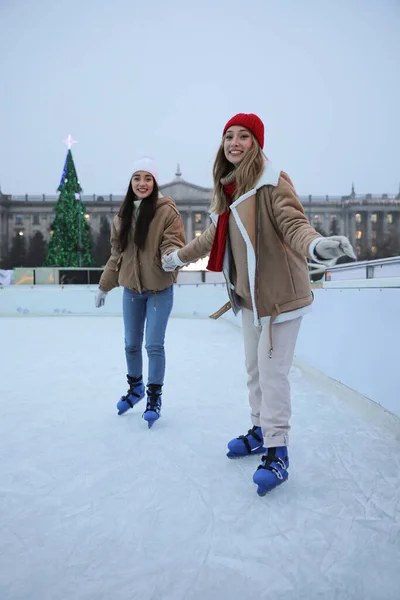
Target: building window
column 198, row 217
column 359, row 234
column 374, row 218
column 373, row 249
column 373, row 235
column 390, row 219
column 358, row 218
column 35, row 219
column 19, row 219
column 358, row 250
column 317, row 219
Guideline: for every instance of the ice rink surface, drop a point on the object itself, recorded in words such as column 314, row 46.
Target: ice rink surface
column 98, row 507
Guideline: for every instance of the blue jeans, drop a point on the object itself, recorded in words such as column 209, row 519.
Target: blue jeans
column 154, row 309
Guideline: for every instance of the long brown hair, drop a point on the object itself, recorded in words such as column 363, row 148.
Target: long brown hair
column 247, row 173
column 146, row 213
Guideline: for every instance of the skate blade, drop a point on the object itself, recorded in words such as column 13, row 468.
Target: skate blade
column 151, row 420
column 123, row 410
column 232, row 455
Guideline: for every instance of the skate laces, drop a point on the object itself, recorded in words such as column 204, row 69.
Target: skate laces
column 251, row 432
column 133, row 385
column 269, row 460
column 153, row 405
column 153, row 400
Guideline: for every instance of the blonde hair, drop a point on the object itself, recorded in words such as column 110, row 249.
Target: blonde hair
column 247, row 173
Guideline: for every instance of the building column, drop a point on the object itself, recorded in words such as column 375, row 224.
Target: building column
column 352, row 229
column 340, row 221
column 369, row 228
column 385, row 224
column 367, row 233
column 327, row 223
column 189, row 227
column 346, row 224
column 380, row 229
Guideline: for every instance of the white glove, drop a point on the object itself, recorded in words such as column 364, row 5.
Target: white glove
column 334, row 247
column 170, row 262
column 100, row 298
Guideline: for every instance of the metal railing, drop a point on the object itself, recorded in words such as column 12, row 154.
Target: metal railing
column 385, row 268
column 54, row 198
column 367, row 269
column 310, row 199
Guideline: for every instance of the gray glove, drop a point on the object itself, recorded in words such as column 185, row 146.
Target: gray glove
column 100, row 298
column 170, row 262
column 334, row 247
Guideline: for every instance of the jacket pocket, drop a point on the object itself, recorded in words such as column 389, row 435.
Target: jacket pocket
column 290, row 273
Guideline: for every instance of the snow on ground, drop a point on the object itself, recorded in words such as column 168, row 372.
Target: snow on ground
column 95, row 506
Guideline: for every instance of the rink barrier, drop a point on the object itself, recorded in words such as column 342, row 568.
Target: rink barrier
column 352, row 335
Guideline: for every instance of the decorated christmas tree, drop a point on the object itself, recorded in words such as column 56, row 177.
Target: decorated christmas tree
column 70, row 244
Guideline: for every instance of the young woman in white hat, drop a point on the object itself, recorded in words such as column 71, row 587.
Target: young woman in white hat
column 146, row 227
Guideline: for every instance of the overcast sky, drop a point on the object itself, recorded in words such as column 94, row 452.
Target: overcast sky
column 129, row 78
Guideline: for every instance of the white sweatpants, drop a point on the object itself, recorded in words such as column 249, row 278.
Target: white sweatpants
column 268, row 378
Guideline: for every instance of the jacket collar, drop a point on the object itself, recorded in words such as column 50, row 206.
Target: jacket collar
column 270, row 176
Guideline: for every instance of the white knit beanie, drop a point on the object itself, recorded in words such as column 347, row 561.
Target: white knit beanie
column 146, row 164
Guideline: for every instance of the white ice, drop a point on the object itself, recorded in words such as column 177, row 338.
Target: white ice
column 95, row 506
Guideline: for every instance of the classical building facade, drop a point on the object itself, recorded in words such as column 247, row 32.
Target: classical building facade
column 366, row 220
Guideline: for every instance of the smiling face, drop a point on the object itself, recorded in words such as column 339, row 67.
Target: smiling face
column 237, row 142
column 142, row 184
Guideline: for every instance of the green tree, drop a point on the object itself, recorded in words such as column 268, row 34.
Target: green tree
column 389, row 247
column 17, row 255
column 70, row 244
column 37, row 250
column 102, row 247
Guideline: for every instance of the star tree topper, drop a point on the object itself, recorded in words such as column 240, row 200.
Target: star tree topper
column 70, row 142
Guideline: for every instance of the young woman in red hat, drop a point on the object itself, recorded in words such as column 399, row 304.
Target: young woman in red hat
column 260, row 238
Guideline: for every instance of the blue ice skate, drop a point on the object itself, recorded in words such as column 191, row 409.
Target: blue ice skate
column 133, row 396
column 244, row 445
column 272, row 471
column 153, row 406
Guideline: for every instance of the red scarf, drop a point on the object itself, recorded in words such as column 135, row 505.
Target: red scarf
column 217, row 253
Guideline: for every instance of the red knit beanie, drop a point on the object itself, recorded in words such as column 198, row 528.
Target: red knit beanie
column 250, row 122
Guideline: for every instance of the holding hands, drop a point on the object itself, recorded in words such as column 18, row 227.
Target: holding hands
column 170, row 262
